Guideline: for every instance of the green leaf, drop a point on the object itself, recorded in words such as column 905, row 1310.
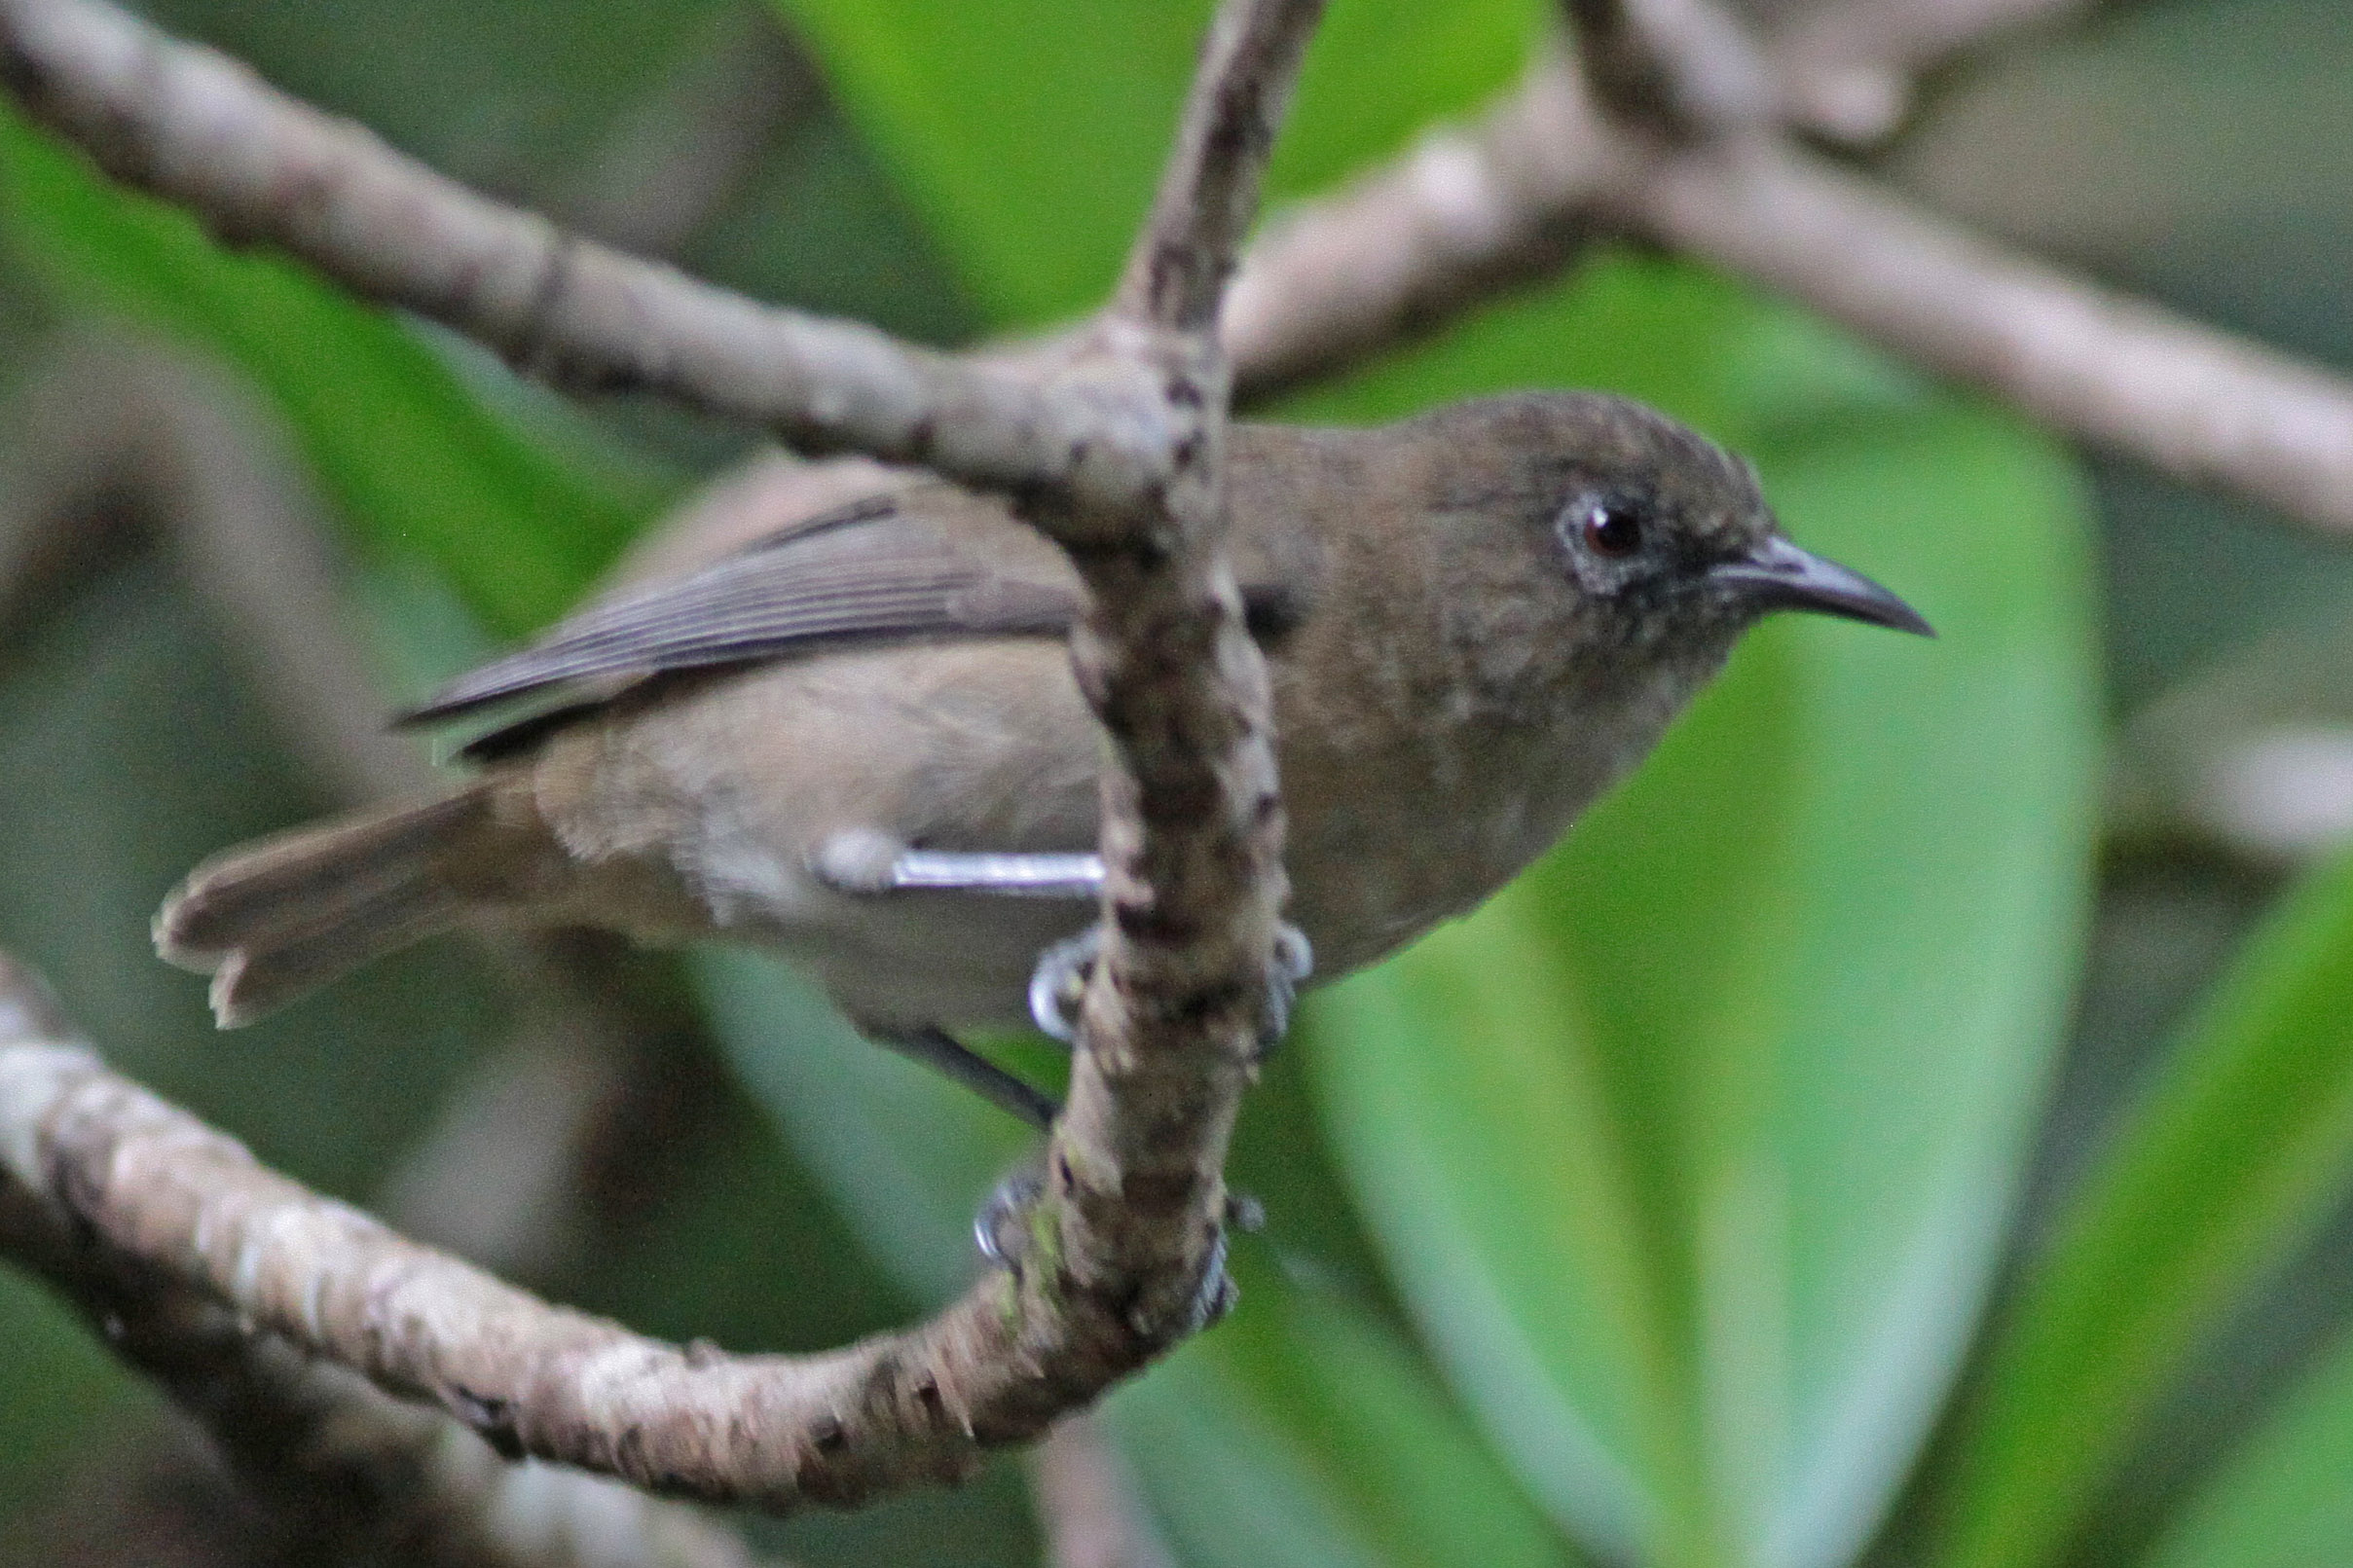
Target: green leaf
column 408, row 454
column 2238, row 1148
column 1030, row 133
column 1691, row 1151
column 1304, row 1431
column 2285, row 1501
column 60, row 1394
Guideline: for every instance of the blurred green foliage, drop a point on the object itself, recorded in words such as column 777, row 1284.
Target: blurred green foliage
column 1650, row 1215
column 403, row 448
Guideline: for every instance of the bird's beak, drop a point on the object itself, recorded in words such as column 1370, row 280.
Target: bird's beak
column 1778, row 576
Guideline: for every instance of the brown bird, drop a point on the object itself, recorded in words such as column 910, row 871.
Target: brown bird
column 858, row 739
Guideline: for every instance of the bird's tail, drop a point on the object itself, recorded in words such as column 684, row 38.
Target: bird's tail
column 275, row 919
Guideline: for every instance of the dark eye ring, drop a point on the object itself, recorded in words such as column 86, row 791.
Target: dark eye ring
column 1612, row 529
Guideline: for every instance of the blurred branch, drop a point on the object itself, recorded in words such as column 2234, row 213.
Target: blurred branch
column 2196, row 402
column 1397, row 253
column 1088, row 1502
column 1112, row 443
column 343, row 1472
column 111, row 437
column 677, row 161
column 1682, row 69
column 1846, row 66
column 1469, row 212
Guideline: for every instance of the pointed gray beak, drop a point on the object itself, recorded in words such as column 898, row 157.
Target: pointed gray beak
column 1779, row 575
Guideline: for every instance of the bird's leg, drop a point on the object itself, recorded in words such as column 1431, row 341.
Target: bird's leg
column 1012, row 876
column 1060, row 978
column 871, row 864
column 868, row 862
column 998, row 1228
column 937, row 1049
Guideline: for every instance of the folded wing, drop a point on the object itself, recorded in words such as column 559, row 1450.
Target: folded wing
column 884, row 567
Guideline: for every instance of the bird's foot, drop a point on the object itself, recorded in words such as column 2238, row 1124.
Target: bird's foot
column 1293, row 962
column 1003, row 1232
column 1058, row 983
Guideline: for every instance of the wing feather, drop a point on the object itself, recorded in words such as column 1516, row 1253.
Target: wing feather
column 870, row 570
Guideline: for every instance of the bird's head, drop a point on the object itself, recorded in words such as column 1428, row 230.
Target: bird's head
column 1619, row 538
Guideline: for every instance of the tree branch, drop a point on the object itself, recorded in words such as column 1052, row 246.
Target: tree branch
column 1470, row 212
column 1465, row 214
column 257, row 167
column 2193, row 401
column 1112, row 442
column 1208, row 195
column 341, row 1470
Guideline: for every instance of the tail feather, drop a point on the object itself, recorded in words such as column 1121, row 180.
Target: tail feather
column 276, row 919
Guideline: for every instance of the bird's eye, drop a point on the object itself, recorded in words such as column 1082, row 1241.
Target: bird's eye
column 1612, row 529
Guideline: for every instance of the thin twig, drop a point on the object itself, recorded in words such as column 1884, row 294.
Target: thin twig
column 1208, row 197
column 1465, row 214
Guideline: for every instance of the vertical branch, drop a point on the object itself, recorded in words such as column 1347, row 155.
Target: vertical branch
column 1192, row 817
column 1209, row 189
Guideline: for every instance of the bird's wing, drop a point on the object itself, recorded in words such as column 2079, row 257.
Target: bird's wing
column 884, row 567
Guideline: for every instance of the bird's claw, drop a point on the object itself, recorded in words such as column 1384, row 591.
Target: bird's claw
column 1058, row 983
column 1293, row 962
column 1001, row 1229
column 1001, row 1232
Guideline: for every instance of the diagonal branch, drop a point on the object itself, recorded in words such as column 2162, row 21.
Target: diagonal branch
column 1471, row 212
column 342, row 1470
column 2196, row 402
column 1465, row 215
column 201, row 130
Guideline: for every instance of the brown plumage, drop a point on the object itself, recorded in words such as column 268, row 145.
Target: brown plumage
column 1475, row 621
